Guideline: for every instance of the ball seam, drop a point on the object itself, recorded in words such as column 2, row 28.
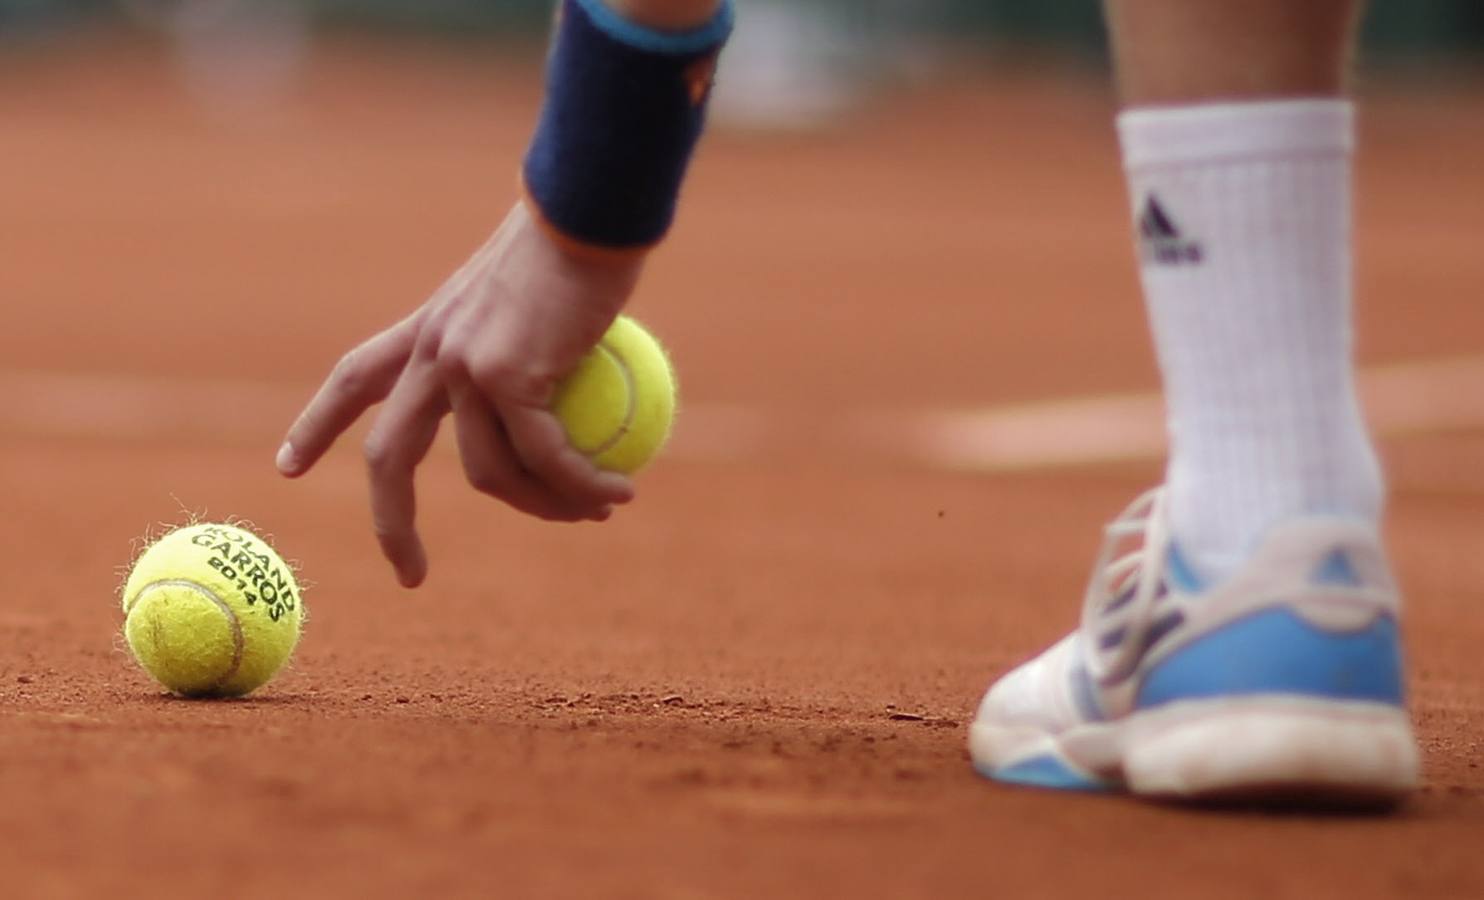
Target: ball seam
column 238, row 641
column 630, row 408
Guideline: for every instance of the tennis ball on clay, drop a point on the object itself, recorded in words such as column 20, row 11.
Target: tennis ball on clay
column 618, row 405
column 211, row 611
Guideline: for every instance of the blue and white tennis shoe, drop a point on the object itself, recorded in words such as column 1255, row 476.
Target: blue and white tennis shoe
column 1283, row 681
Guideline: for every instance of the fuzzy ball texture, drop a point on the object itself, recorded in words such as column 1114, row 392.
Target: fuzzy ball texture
column 619, row 404
column 211, row 611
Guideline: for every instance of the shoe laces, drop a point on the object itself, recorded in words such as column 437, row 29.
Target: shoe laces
column 1127, row 581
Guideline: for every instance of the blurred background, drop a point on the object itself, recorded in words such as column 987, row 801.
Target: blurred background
column 792, row 63
column 359, row 148
column 1393, row 26
column 297, row 173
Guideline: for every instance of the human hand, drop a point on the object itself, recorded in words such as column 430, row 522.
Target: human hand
column 489, row 346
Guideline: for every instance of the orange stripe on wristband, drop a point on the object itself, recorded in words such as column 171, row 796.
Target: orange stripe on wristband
column 573, row 247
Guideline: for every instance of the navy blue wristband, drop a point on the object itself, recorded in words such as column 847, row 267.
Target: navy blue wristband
column 624, row 108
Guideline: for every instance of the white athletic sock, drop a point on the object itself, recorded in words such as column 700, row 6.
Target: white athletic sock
column 1242, row 213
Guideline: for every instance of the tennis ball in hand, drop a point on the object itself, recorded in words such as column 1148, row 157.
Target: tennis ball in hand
column 211, row 611
column 618, row 404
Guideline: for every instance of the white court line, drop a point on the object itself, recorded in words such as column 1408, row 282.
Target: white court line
column 220, row 410
column 1428, row 396
column 140, row 406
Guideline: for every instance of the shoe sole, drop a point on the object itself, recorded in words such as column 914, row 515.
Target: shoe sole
column 1265, row 749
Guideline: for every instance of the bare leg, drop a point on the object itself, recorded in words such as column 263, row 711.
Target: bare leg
column 1181, row 51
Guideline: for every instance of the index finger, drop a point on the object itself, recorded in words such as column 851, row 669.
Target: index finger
column 362, row 378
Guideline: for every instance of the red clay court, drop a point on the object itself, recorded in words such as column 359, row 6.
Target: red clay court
column 755, row 681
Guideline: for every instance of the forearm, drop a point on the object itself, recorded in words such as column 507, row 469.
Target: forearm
column 666, row 15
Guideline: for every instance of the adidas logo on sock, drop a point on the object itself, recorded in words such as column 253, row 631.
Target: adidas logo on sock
column 1161, row 241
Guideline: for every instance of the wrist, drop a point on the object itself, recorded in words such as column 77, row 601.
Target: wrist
column 624, row 108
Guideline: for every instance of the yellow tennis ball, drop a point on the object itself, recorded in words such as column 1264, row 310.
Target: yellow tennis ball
column 618, row 405
column 211, row 611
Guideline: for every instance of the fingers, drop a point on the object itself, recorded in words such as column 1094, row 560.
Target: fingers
column 361, row 378
column 513, row 448
column 544, row 451
column 492, row 467
column 401, row 437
